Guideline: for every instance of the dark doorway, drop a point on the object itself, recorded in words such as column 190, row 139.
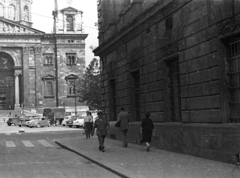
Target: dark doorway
column 7, row 94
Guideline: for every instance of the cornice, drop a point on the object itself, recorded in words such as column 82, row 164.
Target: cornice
column 66, row 36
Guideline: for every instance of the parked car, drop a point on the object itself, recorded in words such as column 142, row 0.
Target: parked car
column 79, row 122
column 66, row 118
column 13, row 121
column 25, row 119
column 39, row 122
column 31, row 119
column 69, row 123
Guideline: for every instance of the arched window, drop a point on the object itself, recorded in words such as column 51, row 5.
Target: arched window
column 11, row 12
column 26, row 13
column 49, row 88
column 1, row 10
column 69, row 23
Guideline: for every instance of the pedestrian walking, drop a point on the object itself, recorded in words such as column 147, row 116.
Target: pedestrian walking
column 87, row 125
column 123, row 122
column 91, row 123
column 3, row 119
column 147, row 129
column 102, row 126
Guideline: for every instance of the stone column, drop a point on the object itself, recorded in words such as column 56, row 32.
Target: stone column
column 17, row 105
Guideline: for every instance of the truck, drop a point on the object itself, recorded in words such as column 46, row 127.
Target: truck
column 55, row 115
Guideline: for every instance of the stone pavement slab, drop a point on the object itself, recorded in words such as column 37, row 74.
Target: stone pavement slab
column 135, row 162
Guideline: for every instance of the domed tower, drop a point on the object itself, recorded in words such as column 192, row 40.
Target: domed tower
column 17, row 10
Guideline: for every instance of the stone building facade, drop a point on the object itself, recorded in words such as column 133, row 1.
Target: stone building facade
column 178, row 59
column 30, row 75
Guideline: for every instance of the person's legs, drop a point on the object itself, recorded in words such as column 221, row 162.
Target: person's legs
column 101, row 142
column 124, row 138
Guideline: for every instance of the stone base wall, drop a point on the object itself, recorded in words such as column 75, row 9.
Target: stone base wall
column 211, row 141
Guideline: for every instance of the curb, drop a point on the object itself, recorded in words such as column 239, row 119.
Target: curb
column 92, row 160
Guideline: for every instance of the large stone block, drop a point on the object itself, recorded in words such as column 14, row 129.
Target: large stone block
column 196, row 26
column 200, row 103
column 200, row 116
column 197, row 51
column 199, row 90
column 196, row 38
column 198, row 64
column 200, row 76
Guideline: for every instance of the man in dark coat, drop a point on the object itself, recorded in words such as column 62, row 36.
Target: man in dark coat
column 123, row 119
column 102, row 126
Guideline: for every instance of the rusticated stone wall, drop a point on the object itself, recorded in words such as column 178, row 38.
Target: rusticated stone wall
column 143, row 41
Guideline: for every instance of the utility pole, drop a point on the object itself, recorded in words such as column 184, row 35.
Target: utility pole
column 55, row 15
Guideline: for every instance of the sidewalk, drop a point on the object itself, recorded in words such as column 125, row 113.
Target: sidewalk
column 135, row 162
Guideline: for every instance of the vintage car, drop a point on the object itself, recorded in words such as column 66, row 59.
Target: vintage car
column 69, row 123
column 66, row 118
column 13, row 121
column 79, row 122
column 39, row 122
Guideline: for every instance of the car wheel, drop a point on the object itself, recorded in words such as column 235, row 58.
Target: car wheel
column 70, row 126
column 78, row 126
column 38, row 126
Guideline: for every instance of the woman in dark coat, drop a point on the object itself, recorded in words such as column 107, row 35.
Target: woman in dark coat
column 147, row 129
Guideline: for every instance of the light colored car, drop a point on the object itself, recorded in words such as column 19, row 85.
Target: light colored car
column 65, row 120
column 79, row 122
column 39, row 122
column 69, row 123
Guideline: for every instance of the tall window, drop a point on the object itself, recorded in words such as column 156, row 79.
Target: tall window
column 1, row 10
column 69, row 23
column 71, row 85
column 11, row 12
column 175, row 93
column 49, row 88
column 234, row 78
column 113, row 100
column 136, row 94
column 26, row 13
column 71, row 58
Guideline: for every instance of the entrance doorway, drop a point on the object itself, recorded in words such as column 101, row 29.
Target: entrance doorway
column 7, row 94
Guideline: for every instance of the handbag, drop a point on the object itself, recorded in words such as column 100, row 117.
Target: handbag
column 117, row 124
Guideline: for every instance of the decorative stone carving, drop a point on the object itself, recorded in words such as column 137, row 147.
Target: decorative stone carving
column 37, row 50
column 135, row 54
column 229, row 26
column 8, row 28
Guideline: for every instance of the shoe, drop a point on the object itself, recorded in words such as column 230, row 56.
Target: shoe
column 103, row 150
column 148, row 148
column 100, row 148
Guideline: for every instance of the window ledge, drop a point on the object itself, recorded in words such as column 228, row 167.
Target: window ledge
column 49, row 96
column 48, row 65
column 71, row 96
column 71, row 65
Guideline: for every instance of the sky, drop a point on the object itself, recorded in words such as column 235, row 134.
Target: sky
column 43, row 20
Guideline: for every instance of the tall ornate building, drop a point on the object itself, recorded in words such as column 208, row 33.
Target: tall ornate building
column 30, row 75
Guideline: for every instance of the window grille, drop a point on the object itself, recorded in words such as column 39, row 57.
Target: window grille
column 234, row 78
column 175, row 93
